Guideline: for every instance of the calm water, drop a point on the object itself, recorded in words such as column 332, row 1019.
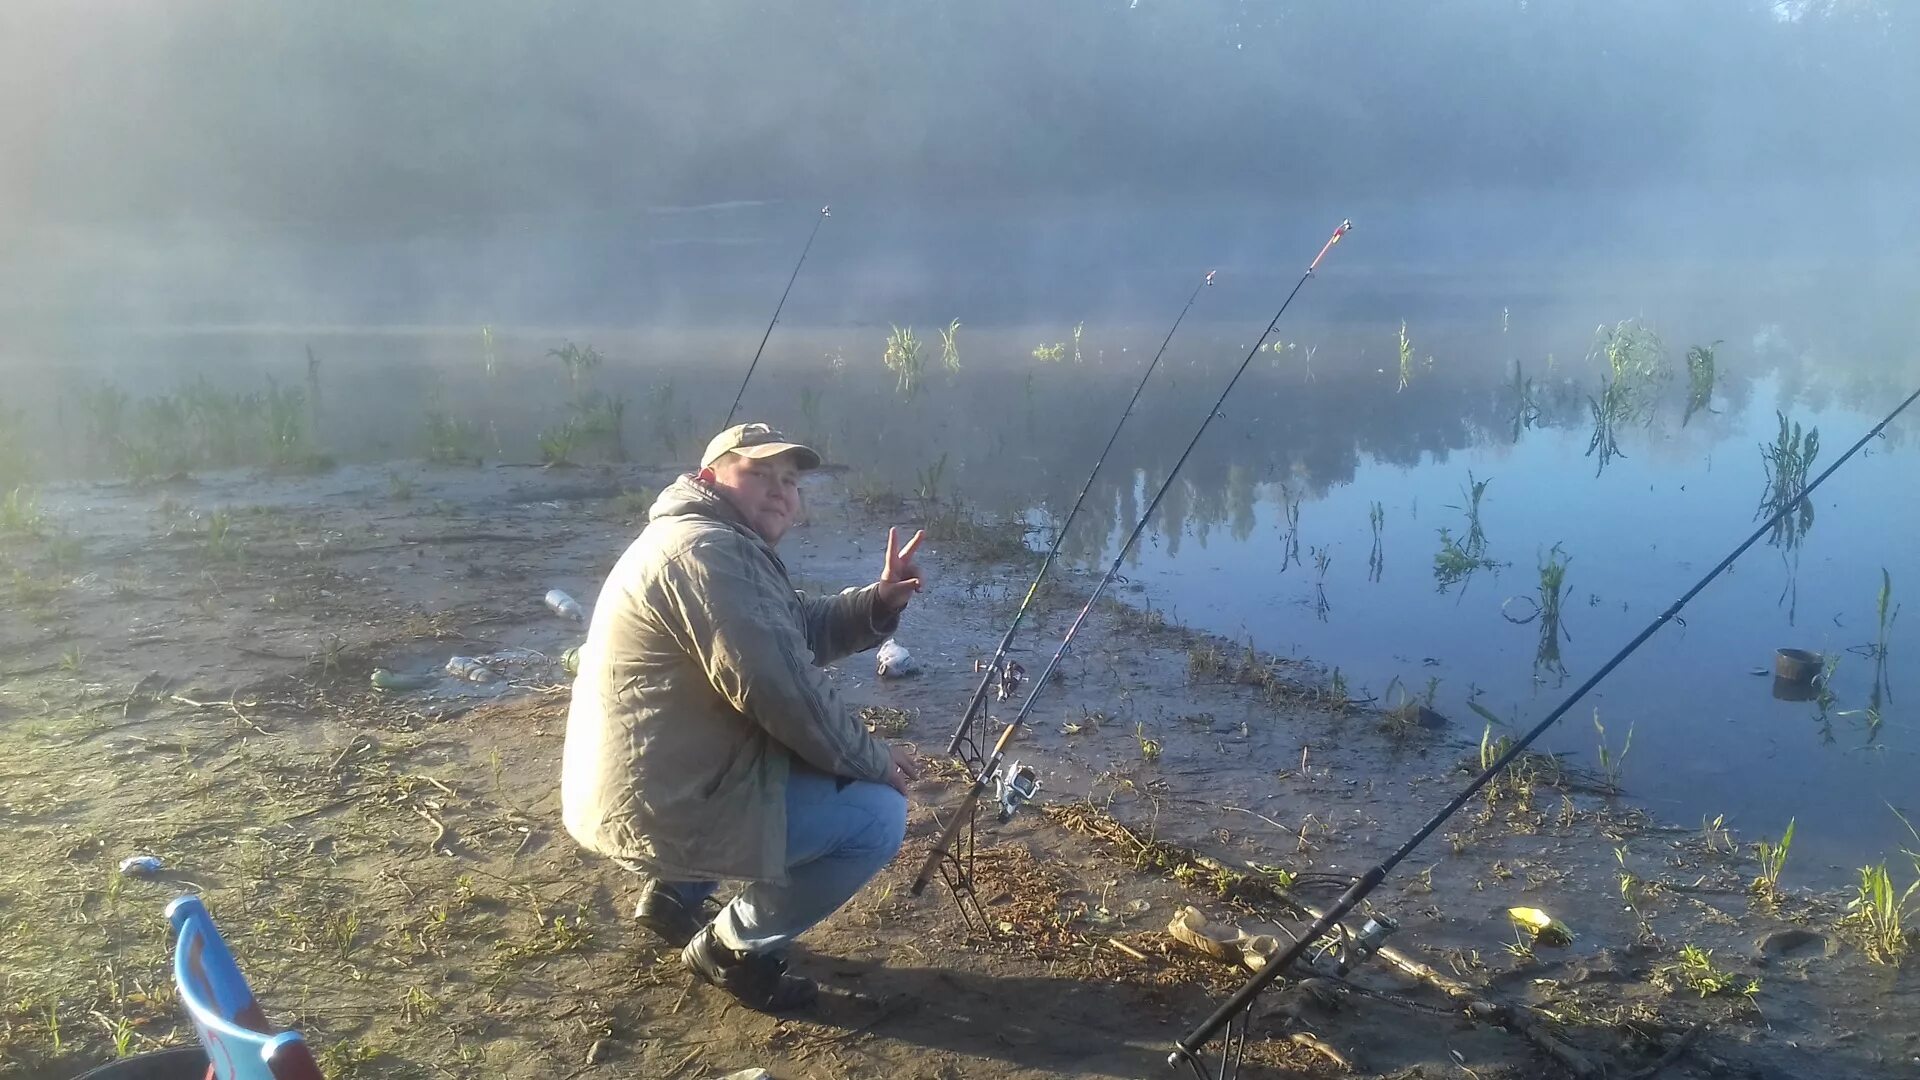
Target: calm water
column 1269, row 536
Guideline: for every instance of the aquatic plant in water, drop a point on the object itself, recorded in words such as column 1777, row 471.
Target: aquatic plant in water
column 1553, row 592
column 1700, row 379
column 1454, row 564
column 1612, row 762
column 579, row 362
column 1406, row 356
column 902, row 356
column 1787, row 463
column 1526, row 402
column 950, row 346
column 1636, row 368
column 1376, row 559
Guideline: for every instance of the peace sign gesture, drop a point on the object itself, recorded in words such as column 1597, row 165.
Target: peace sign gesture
column 900, row 577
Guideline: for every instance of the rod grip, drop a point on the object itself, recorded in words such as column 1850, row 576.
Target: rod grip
column 944, row 843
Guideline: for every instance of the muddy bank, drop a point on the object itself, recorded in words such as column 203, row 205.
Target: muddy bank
column 186, row 673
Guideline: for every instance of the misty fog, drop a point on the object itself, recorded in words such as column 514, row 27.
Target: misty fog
column 208, row 164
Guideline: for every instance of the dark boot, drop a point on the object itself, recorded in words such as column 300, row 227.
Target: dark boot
column 662, row 912
column 759, row 981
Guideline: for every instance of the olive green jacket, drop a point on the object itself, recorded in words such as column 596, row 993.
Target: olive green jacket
column 698, row 684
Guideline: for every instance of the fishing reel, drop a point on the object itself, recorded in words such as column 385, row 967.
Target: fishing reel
column 1008, row 675
column 1012, row 785
column 1341, row 953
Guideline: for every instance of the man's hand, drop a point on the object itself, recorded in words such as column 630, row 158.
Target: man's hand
column 900, row 577
column 905, row 768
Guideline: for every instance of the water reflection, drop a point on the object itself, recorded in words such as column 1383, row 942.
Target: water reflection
column 1309, row 467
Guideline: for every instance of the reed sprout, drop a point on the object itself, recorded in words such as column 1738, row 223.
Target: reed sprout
column 1882, row 916
column 903, row 356
column 950, row 346
column 1612, row 762
column 578, row 360
column 1406, row 356
column 450, row 441
column 1773, row 858
column 928, row 486
column 20, row 511
column 1787, row 463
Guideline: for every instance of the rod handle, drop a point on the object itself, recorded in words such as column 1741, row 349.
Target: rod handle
column 944, row 843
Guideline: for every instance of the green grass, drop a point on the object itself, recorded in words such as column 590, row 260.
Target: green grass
column 450, row 441
column 1694, row 970
column 928, row 485
column 20, row 511
column 218, row 541
column 1882, row 916
column 557, row 442
column 1773, row 859
column 670, row 420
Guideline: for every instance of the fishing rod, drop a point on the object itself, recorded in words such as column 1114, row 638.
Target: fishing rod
column 996, row 668
column 1016, row 784
column 1239, row 1007
column 825, row 213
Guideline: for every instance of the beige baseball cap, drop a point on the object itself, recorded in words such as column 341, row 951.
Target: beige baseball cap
column 758, row 441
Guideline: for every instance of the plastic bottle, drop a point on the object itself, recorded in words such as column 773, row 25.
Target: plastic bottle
column 570, row 660
column 565, row 606
column 466, row 667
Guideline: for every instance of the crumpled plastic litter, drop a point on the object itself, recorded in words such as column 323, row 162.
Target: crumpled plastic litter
column 894, row 661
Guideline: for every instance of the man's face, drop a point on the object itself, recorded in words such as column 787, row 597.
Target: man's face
column 766, row 491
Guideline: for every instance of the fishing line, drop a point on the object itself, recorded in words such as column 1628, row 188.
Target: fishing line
column 1187, row 1050
column 825, row 213
column 994, row 669
column 1019, row 787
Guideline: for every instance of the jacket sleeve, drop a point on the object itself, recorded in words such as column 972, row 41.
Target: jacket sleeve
column 846, row 623
column 736, row 621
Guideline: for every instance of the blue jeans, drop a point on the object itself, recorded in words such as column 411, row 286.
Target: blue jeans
column 840, row 833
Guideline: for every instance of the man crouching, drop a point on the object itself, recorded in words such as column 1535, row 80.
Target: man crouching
column 705, row 744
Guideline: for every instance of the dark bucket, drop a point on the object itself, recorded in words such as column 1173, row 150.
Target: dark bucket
column 173, row 1063
column 1797, row 665
column 1788, row 690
